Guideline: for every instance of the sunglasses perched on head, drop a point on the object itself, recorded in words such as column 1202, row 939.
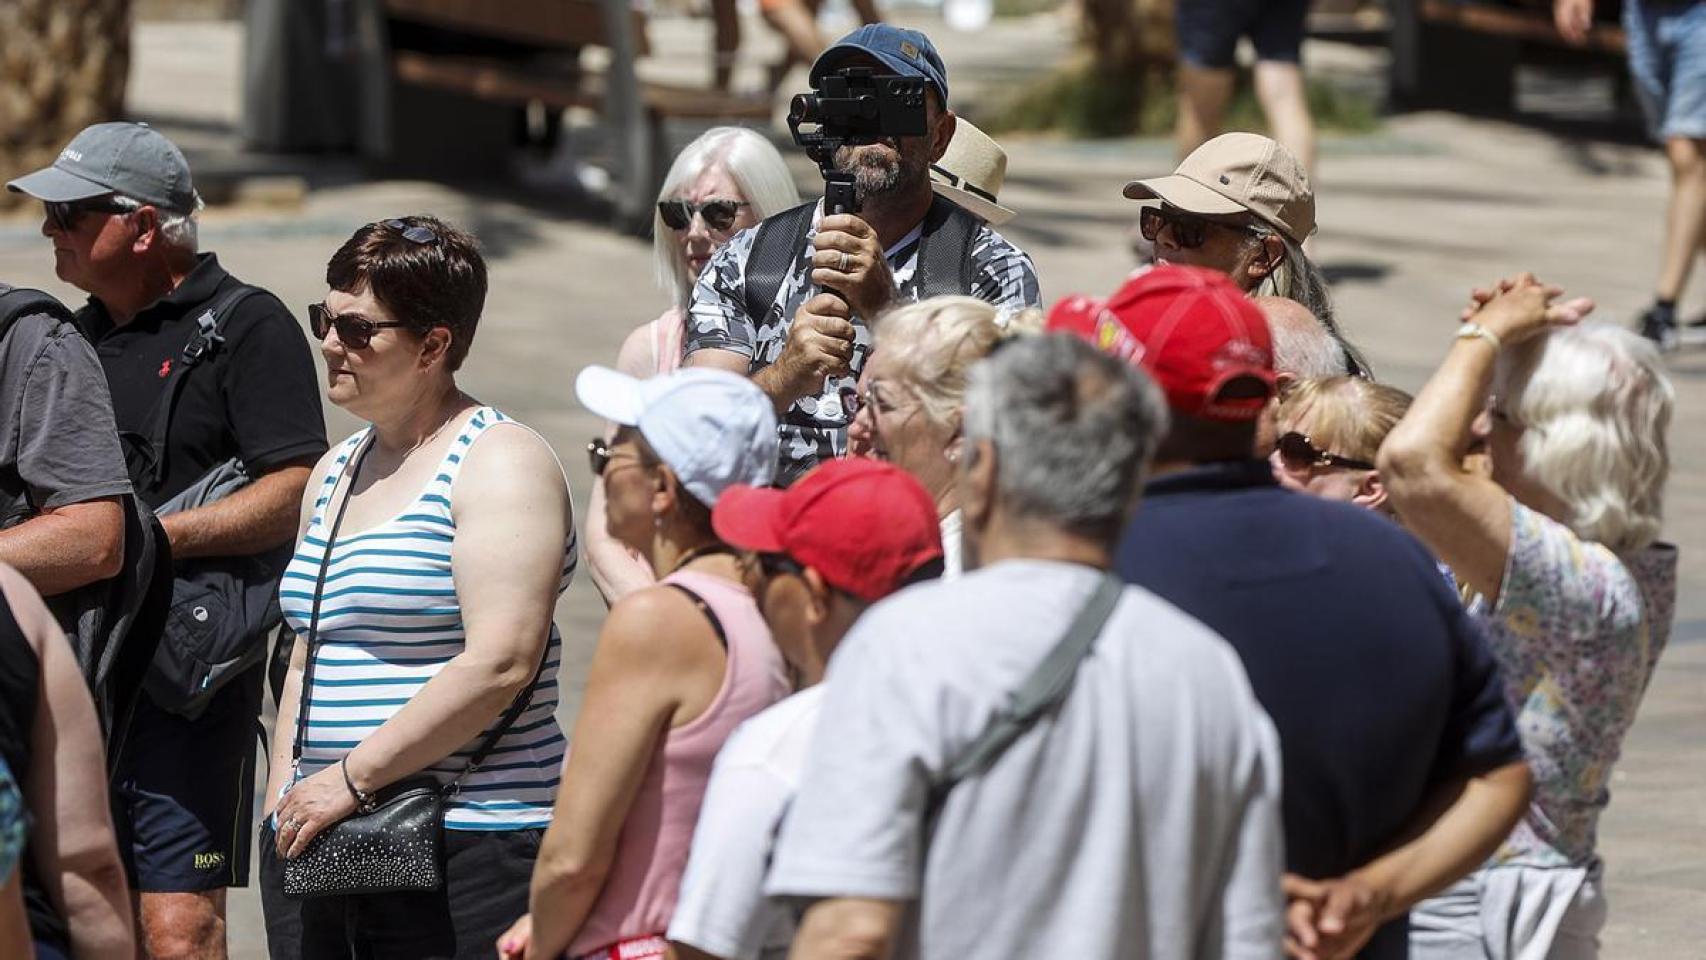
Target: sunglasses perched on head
column 355, row 331
column 1189, row 230
column 1300, row 453
column 718, row 214
column 66, row 216
column 413, row 234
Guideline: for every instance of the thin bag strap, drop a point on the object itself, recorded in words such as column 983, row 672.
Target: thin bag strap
column 705, row 608
column 207, row 340
column 351, row 469
column 1046, row 686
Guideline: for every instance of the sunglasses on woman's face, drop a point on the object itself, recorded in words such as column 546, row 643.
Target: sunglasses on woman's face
column 718, row 214
column 355, row 331
column 65, row 217
column 1189, row 231
column 778, row 564
column 1299, row 453
column 599, row 455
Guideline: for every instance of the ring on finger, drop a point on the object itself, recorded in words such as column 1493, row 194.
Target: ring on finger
column 844, row 261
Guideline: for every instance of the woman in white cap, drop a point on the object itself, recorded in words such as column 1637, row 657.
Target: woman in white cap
column 678, row 666
column 726, row 180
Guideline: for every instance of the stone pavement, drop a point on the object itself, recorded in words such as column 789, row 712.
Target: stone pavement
column 1411, row 218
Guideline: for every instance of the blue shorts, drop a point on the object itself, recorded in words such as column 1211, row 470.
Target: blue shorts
column 1667, row 58
column 184, row 791
column 1209, row 30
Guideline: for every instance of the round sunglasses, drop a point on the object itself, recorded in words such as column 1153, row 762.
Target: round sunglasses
column 718, row 214
column 355, row 331
column 1189, row 230
column 1300, row 453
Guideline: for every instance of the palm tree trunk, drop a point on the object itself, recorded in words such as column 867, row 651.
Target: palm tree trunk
column 63, row 66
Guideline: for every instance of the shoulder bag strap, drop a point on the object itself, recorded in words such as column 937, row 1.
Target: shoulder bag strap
column 1046, row 686
column 775, row 247
column 352, row 470
column 208, row 338
column 705, row 608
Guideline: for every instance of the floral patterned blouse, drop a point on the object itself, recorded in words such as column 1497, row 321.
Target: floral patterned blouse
column 13, row 825
column 1577, row 630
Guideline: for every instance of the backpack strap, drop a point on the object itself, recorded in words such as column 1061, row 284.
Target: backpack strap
column 17, row 302
column 1043, row 689
column 944, row 261
column 208, row 339
column 775, row 247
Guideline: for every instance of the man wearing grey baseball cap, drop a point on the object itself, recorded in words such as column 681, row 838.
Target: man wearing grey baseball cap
column 218, row 413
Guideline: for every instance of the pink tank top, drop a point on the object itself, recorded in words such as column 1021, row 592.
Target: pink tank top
column 639, row 895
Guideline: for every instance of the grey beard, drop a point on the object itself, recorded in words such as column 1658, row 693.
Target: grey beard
column 874, row 181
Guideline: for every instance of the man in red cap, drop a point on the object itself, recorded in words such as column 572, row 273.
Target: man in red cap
column 1386, row 698
column 850, row 533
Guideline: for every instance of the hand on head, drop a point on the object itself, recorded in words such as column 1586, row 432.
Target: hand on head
column 1517, row 308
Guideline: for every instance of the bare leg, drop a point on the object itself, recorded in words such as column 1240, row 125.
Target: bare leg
column 1203, row 95
column 797, row 23
column 1285, row 102
column 1687, row 216
column 725, row 20
column 183, row 926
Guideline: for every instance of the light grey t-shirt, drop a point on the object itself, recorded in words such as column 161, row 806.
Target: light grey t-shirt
column 1140, row 819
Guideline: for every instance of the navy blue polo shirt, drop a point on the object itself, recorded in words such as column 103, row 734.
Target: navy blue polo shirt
column 1378, row 682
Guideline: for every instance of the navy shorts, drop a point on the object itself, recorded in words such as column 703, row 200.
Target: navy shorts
column 184, row 796
column 1209, row 30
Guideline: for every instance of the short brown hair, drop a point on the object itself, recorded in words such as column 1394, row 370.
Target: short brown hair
column 424, row 283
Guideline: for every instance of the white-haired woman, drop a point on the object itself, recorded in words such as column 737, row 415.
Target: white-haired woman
column 1575, row 592
column 725, row 181
column 908, row 409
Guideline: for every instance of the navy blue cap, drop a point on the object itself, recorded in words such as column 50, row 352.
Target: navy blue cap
column 906, row 52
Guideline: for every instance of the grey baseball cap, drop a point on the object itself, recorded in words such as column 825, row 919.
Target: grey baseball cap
column 125, row 158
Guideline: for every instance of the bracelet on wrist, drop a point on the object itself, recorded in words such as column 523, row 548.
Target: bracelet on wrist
column 1474, row 331
column 364, row 802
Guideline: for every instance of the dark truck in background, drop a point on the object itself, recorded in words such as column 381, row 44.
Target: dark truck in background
column 1464, row 54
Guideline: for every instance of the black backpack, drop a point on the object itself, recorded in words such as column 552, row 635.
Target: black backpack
column 221, row 607
column 113, row 626
column 944, row 259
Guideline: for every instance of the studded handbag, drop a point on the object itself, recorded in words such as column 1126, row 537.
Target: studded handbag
column 395, row 843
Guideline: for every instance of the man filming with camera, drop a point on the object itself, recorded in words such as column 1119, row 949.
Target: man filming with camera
column 791, row 302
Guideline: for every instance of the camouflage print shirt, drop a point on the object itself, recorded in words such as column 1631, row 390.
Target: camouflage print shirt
column 815, row 428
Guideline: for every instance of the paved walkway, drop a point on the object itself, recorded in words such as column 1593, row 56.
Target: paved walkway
column 1411, row 218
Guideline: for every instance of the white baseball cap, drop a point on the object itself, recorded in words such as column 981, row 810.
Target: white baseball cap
column 713, row 428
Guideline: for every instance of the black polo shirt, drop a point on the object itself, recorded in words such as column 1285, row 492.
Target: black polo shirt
column 256, row 398
column 1378, row 682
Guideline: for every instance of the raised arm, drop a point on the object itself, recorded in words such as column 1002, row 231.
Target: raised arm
column 72, row 843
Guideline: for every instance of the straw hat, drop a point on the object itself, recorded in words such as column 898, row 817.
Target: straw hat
column 971, row 173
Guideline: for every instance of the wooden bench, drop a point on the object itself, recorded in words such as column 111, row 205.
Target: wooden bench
column 1463, row 54
column 634, row 110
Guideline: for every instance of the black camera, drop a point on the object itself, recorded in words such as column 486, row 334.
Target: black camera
column 852, row 107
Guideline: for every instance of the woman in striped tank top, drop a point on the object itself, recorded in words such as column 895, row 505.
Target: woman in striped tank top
column 435, row 544
column 679, row 665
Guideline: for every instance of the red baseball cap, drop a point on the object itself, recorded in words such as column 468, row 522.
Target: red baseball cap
column 1189, row 328
column 865, row 525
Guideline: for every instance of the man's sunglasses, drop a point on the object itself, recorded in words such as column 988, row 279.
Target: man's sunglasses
column 1300, row 453
column 355, row 331
column 66, row 216
column 1189, row 230
column 718, row 214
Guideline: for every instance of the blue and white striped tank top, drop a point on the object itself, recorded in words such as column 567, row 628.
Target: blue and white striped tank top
column 389, row 621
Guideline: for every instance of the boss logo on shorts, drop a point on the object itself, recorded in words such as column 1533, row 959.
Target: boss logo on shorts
column 209, row 861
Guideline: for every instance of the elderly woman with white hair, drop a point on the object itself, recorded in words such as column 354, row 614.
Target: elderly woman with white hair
column 909, row 408
column 725, row 181
column 1574, row 590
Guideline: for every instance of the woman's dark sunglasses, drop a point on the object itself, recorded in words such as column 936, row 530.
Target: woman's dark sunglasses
column 1300, row 453
column 779, row 564
column 355, row 331
column 66, row 216
column 1189, row 230
column 718, row 214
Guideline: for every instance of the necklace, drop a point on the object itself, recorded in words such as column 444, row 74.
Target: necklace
column 699, row 553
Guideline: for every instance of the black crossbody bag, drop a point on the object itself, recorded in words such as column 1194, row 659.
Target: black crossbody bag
column 395, row 845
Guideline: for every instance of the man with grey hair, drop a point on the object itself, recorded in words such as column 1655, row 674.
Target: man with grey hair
column 1303, row 348
column 989, row 781
column 218, row 414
